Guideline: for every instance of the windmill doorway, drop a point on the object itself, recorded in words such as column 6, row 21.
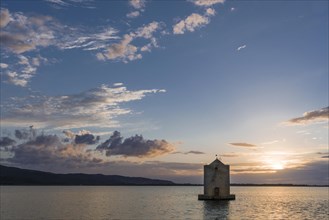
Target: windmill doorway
column 216, row 191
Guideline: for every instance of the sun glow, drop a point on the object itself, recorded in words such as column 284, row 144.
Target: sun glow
column 277, row 166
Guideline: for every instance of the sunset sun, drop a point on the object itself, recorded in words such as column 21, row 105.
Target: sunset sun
column 277, row 166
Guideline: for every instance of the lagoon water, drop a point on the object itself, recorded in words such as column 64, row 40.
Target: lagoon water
column 160, row 202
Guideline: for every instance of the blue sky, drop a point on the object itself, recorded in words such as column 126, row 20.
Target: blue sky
column 247, row 80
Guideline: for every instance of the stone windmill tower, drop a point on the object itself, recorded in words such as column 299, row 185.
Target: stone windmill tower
column 216, row 182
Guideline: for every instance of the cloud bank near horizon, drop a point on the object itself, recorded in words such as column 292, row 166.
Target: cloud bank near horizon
column 72, row 149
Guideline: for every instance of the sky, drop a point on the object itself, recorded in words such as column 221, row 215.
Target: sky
column 159, row 88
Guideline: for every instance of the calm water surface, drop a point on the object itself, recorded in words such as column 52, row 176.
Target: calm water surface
column 160, row 202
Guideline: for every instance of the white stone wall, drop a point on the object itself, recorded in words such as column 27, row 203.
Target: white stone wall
column 219, row 177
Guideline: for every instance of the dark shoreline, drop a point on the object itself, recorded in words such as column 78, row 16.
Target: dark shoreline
column 238, row 185
column 12, row 176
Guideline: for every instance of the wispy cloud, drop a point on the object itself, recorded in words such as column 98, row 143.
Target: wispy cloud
column 229, row 155
column 28, row 33
column 321, row 115
column 59, row 4
column 243, row 144
column 95, row 107
column 241, row 47
column 206, row 2
column 99, row 39
column 20, row 34
column 270, row 142
column 325, row 154
column 188, row 152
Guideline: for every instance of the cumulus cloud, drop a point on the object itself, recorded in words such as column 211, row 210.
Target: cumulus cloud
column 95, row 107
column 23, row 134
column 137, row 4
column 135, row 146
column 15, row 79
column 190, row 23
column 48, row 149
column 24, row 34
column 52, row 150
column 6, row 141
column 241, row 144
column 206, row 2
column 21, row 71
column 3, row 65
column 86, row 139
column 148, row 47
column 133, row 14
column 210, row 11
column 125, row 51
column 147, row 31
column 321, row 115
column 4, row 17
column 69, row 134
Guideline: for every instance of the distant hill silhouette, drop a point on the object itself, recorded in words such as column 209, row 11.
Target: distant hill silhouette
column 17, row 176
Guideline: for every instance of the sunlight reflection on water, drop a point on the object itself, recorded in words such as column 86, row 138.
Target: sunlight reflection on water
column 160, row 202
